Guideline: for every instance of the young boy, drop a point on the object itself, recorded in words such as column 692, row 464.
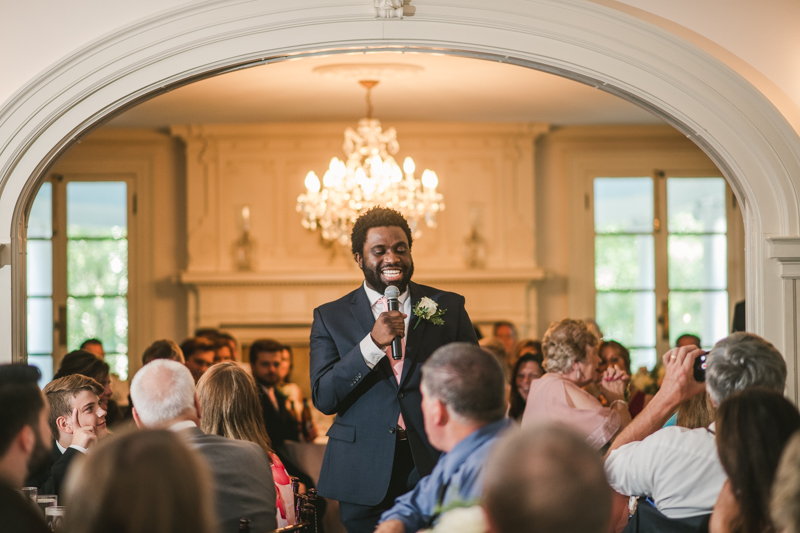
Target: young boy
column 76, row 421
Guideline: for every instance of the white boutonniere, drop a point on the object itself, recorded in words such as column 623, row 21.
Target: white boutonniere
column 429, row 310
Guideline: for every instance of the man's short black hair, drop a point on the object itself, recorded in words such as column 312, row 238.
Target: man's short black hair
column 377, row 217
column 21, row 402
column 194, row 345
column 264, row 346
column 88, row 342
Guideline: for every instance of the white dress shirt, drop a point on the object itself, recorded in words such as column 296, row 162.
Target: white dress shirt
column 62, row 449
column 183, row 424
column 677, row 467
column 369, row 350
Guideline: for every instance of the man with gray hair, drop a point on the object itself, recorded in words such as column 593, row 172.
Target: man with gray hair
column 463, row 407
column 535, row 477
column 678, row 467
column 164, row 398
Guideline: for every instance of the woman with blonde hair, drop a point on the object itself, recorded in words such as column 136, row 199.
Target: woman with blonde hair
column 571, row 362
column 146, row 481
column 230, row 407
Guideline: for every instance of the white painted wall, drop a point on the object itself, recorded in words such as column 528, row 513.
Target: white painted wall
column 759, row 40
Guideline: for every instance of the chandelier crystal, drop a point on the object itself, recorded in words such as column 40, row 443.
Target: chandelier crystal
column 369, row 176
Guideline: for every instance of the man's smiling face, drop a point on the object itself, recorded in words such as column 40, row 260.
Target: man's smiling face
column 386, row 259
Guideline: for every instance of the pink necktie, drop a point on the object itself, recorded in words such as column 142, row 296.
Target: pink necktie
column 397, row 365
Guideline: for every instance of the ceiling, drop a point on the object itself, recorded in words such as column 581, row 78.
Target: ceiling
column 444, row 88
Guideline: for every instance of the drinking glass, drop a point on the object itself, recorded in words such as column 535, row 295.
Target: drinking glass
column 46, row 500
column 30, row 492
column 55, row 517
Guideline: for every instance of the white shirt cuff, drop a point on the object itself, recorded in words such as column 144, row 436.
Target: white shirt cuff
column 79, row 448
column 372, row 354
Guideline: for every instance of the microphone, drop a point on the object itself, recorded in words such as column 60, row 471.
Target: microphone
column 392, row 294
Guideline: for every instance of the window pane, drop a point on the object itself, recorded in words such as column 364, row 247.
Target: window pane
column 45, row 365
column 97, row 267
column 101, row 318
column 696, row 205
column 40, row 325
column 698, row 261
column 40, row 268
column 119, row 364
column 643, row 357
column 627, row 317
column 624, row 262
column 701, row 313
column 40, row 223
column 97, row 209
column 623, row 205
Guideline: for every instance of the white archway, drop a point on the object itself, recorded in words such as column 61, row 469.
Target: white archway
column 735, row 124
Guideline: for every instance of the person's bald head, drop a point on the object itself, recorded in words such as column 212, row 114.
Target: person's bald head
column 163, row 393
column 536, row 476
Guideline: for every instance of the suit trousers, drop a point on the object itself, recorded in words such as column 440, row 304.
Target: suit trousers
column 363, row 518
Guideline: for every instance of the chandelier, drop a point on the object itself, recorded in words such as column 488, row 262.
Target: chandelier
column 369, row 176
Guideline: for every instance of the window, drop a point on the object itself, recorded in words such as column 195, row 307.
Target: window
column 649, row 273
column 89, row 293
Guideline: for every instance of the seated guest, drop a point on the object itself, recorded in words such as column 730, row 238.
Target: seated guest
column 572, row 362
column 141, row 482
column 613, row 354
column 76, row 422
column 785, row 506
column 164, row 398
column 266, row 358
column 228, row 398
column 163, row 349
column 525, row 346
column 292, row 391
column 546, row 479
column 198, row 353
column 222, row 351
column 506, row 333
column 24, row 440
column 753, row 427
column 86, row 364
column 527, row 368
column 646, row 460
column 463, row 406
column 94, row 346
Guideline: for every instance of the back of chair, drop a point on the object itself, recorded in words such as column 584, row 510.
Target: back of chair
column 648, row 519
column 305, row 508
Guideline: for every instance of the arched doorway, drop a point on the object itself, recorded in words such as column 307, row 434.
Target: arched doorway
column 736, row 126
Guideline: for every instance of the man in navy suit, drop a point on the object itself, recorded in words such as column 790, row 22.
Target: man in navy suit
column 377, row 447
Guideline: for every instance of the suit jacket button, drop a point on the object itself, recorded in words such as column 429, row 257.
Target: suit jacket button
column 391, row 430
column 400, row 395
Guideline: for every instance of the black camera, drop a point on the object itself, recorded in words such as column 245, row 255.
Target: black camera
column 700, row 365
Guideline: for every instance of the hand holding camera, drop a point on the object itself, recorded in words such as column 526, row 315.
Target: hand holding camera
column 685, row 375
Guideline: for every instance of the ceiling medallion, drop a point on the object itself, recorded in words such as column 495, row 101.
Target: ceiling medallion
column 368, row 177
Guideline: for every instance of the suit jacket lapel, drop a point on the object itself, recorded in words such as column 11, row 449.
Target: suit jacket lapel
column 362, row 312
column 414, row 338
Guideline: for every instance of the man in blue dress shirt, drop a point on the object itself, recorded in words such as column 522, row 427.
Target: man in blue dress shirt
column 463, row 406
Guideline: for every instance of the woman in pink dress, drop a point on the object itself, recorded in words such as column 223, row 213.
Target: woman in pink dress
column 229, row 402
column 572, row 362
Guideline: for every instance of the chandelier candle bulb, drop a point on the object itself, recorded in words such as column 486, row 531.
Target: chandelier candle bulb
column 312, row 182
column 246, row 218
column 368, row 176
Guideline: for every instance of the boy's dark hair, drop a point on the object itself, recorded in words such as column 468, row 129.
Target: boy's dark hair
column 21, row 402
column 376, row 217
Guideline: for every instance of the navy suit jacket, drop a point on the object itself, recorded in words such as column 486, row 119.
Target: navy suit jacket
column 358, row 459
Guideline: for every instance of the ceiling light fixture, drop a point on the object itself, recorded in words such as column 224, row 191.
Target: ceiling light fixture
column 368, row 177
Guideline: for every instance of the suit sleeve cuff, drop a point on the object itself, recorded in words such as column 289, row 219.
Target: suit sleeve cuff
column 371, row 353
